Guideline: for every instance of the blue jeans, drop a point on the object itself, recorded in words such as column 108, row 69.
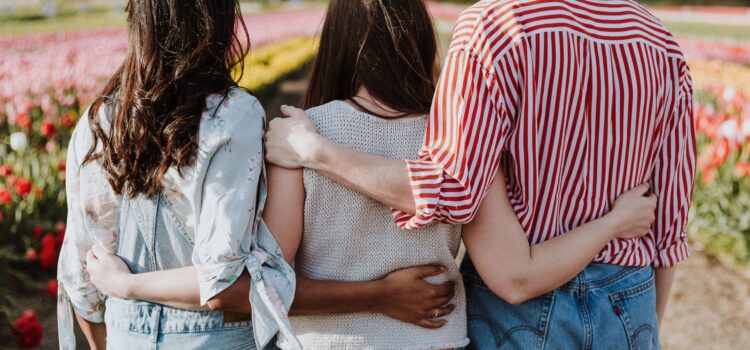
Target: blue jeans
column 139, row 325
column 604, row 307
column 152, row 239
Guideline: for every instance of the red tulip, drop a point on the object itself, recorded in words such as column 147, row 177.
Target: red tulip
column 48, row 240
column 23, row 120
column 28, row 330
column 48, row 254
column 742, row 169
column 67, row 120
column 37, row 232
column 52, row 288
column 60, row 228
column 48, row 129
column 5, row 171
column 60, row 238
column 5, row 196
column 709, row 176
column 31, row 254
column 23, row 187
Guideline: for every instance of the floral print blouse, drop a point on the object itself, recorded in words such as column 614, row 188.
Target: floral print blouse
column 219, row 199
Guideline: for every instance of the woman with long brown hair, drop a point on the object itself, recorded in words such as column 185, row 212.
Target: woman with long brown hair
column 371, row 88
column 166, row 172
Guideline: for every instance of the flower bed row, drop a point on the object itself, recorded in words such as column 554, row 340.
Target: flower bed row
column 67, row 69
column 720, row 216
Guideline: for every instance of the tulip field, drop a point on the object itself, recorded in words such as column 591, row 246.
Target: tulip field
column 48, row 79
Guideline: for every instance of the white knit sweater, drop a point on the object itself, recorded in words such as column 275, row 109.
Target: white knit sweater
column 350, row 237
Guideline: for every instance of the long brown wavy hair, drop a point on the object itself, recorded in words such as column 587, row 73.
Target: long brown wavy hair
column 179, row 52
column 388, row 47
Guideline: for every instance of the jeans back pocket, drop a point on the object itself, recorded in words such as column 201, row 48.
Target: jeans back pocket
column 636, row 308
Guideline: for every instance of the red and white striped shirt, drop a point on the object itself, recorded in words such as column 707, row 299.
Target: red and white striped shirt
column 578, row 101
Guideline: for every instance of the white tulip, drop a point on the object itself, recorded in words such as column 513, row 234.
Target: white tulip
column 729, row 94
column 746, row 127
column 729, row 129
column 18, row 141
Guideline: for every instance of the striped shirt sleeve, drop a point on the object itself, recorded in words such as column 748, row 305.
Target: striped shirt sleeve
column 673, row 179
column 466, row 133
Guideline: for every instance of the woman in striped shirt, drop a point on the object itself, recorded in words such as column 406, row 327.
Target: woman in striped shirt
column 576, row 101
column 370, row 93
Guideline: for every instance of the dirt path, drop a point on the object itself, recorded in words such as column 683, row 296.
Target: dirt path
column 709, row 307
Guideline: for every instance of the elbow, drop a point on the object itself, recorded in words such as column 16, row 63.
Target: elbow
column 514, row 291
column 240, row 304
column 407, row 204
column 517, row 297
column 216, row 304
column 234, row 300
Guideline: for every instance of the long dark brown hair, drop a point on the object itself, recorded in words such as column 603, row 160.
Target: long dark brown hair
column 386, row 46
column 179, row 52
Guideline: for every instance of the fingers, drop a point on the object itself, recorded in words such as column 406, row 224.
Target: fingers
column 444, row 290
column 99, row 251
column 291, row 111
column 91, row 255
column 429, row 270
column 91, row 259
column 445, row 311
column 432, row 324
column 287, row 110
column 641, row 189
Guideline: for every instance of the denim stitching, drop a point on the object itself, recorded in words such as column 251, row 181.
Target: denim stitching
column 500, row 342
column 180, row 226
column 635, row 291
column 618, row 299
column 587, row 343
column 547, row 307
column 574, row 285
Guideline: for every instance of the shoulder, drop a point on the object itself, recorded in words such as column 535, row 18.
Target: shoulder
column 237, row 107
column 236, row 114
column 329, row 110
column 82, row 138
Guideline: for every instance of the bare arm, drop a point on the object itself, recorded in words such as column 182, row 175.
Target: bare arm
column 294, row 142
column 95, row 333
column 176, row 288
column 402, row 294
column 664, row 278
column 517, row 272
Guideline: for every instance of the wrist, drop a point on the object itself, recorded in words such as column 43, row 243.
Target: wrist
column 127, row 287
column 317, row 154
column 612, row 226
column 381, row 289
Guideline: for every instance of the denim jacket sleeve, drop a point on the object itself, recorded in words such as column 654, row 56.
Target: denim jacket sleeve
column 230, row 237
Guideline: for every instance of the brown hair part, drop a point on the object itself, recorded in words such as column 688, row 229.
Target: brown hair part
column 389, row 47
column 179, row 53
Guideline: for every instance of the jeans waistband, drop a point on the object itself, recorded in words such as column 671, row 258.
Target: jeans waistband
column 594, row 276
column 149, row 318
column 598, row 275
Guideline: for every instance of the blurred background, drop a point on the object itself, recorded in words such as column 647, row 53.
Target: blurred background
column 56, row 54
